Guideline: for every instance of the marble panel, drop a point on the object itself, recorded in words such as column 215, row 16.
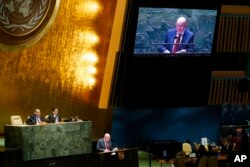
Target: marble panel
column 50, row 140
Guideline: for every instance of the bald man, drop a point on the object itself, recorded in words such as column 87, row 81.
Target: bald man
column 178, row 40
column 104, row 144
column 36, row 118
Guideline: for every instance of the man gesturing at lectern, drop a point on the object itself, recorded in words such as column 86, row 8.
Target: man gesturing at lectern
column 179, row 39
column 104, row 144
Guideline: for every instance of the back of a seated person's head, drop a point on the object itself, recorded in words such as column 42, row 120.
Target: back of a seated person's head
column 210, row 148
column 201, row 150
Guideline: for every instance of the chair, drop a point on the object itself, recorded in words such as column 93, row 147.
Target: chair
column 46, row 118
column 212, row 161
column 203, row 162
column 186, row 148
column 165, row 160
column 196, row 146
column 16, row 120
column 179, row 161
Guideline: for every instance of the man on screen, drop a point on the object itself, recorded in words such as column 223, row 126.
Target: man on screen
column 179, row 39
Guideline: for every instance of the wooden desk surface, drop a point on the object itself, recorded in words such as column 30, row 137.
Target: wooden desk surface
column 222, row 157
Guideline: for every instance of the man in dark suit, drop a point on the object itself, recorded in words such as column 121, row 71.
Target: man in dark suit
column 104, row 144
column 54, row 117
column 36, row 118
column 179, row 39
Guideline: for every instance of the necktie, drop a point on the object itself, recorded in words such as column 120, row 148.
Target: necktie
column 38, row 119
column 176, row 47
column 107, row 145
column 56, row 119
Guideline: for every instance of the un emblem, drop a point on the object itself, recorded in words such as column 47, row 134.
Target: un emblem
column 22, row 20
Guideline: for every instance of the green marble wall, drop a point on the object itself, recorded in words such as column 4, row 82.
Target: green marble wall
column 51, row 140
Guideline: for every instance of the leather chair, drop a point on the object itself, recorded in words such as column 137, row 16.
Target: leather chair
column 203, row 162
column 179, row 161
column 187, row 148
column 212, row 161
column 196, row 146
column 16, row 120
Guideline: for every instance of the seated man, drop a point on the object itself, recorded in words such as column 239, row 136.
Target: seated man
column 36, row 118
column 54, row 117
column 104, row 144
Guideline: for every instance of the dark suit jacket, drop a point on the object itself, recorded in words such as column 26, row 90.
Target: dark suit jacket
column 52, row 119
column 32, row 120
column 187, row 38
column 100, row 146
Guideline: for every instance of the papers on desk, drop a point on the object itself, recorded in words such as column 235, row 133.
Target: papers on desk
column 192, row 155
column 113, row 151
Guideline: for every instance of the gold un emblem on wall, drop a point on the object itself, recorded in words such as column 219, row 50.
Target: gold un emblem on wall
column 24, row 22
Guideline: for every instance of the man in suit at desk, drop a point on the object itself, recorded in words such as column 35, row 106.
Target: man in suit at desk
column 104, row 144
column 36, row 118
column 179, row 39
column 54, row 117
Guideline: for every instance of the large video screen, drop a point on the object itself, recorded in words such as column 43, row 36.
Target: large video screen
column 152, row 73
column 174, row 30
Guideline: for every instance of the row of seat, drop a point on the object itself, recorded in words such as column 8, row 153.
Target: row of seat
column 181, row 160
column 205, row 161
column 17, row 120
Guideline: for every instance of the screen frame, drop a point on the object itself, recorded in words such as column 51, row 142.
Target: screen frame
column 128, row 41
column 155, row 24
column 129, row 67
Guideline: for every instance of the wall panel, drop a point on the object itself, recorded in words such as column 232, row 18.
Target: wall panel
column 52, row 72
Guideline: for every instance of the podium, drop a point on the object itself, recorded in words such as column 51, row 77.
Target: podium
column 120, row 158
column 50, row 140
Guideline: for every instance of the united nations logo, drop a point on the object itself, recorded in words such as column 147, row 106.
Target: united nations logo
column 25, row 18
